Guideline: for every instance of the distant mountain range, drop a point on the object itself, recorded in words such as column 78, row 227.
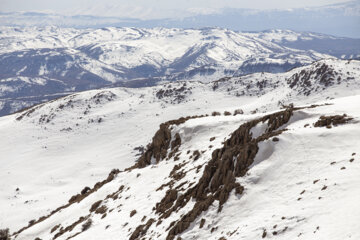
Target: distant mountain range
column 338, row 19
column 41, row 63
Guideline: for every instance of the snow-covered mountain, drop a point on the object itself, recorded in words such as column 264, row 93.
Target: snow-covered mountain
column 43, row 63
column 235, row 166
column 340, row 47
column 117, row 54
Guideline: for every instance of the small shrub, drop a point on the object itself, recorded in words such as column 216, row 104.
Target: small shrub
column 226, row 113
column 86, row 225
column 215, row 114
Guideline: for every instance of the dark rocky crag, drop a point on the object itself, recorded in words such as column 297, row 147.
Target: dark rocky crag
column 160, row 144
column 219, row 177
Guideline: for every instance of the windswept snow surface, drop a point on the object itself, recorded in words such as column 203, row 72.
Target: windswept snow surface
column 52, row 151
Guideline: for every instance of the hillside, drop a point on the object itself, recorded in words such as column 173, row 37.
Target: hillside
column 67, row 144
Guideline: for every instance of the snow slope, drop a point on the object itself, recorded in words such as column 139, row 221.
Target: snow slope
column 291, row 191
column 67, row 144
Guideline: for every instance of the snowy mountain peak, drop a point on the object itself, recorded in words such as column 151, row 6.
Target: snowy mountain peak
column 41, row 63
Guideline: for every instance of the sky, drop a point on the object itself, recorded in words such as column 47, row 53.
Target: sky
column 151, row 9
column 334, row 17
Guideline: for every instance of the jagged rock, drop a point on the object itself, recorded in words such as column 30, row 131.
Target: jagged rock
column 219, row 176
column 327, row 121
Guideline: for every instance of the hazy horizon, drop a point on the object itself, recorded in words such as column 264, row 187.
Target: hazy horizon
column 332, row 17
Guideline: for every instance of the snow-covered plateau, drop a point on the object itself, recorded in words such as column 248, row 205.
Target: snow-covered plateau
column 259, row 156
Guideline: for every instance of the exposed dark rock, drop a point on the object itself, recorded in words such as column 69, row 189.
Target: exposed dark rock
column 238, row 111
column 116, row 194
column 309, row 81
column 55, row 228
column 86, row 225
column 202, row 223
column 166, row 203
column 73, row 225
column 105, row 96
column 132, row 213
column 174, row 95
column 175, row 174
column 327, row 121
column 141, row 230
column 196, row 155
column 176, row 142
column 159, row 146
column 264, row 234
column 101, row 210
column 85, row 190
column 140, row 150
column 220, row 173
column 4, row 234
column 95, row 206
